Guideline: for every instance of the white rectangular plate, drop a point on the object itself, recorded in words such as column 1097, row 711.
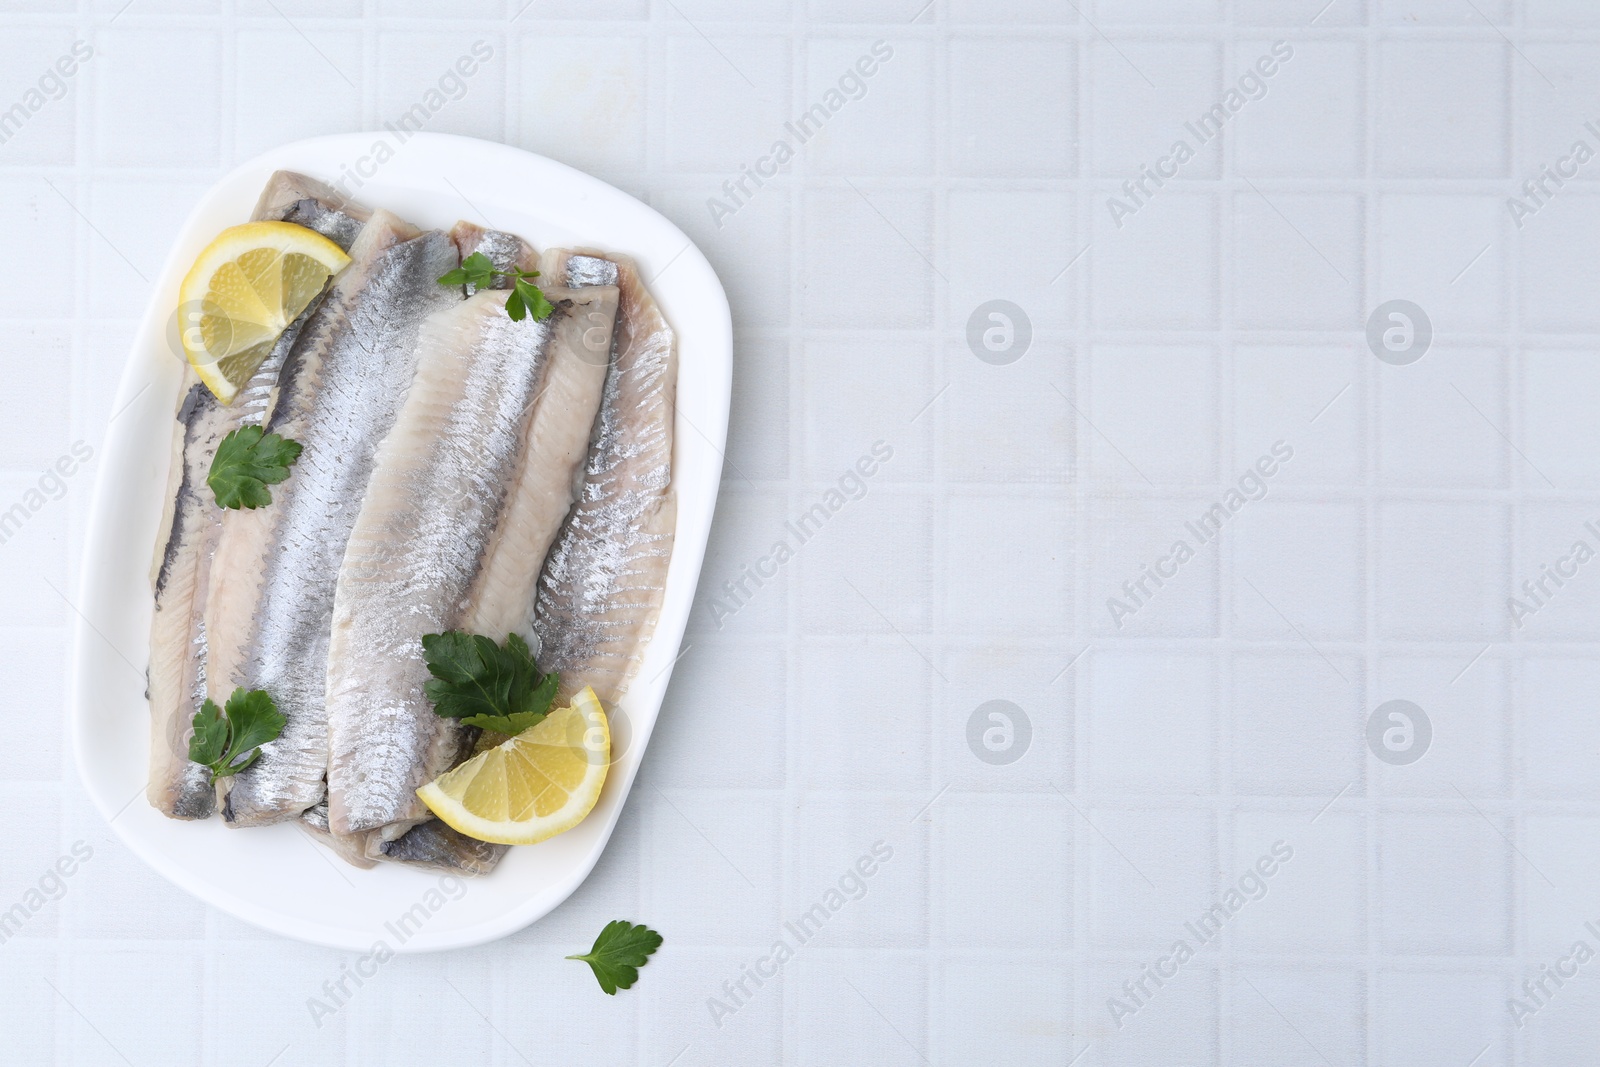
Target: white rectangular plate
column 275, row 877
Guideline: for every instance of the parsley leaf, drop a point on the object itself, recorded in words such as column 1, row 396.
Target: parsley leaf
column 527, row 297
column 487, row 685
column 510, row 725
column 210, row 738
column 477, row 271
column 228, row 745
column 618, row 953
column 247, row 461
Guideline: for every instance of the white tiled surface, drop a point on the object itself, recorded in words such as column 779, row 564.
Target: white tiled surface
column 1171, row 348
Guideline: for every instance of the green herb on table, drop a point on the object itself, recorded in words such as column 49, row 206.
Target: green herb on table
column 618, row 953
column 485, row 684
column 247, row 461
column 478, row 271
column 226, row 741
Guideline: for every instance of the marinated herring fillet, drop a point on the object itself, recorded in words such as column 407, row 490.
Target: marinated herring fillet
column 272, row 590
column 438, row 847
column 549, row 473
column 291, row 197
column 462, row 456
column 177, row 787
column 602, row 585
column 505, row 250
column 432, row 843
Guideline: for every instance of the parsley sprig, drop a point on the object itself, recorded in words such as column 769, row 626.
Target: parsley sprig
column 226, row 741
column 247, row 461
column 485, row 684
column 478, row 271
column 618, row 953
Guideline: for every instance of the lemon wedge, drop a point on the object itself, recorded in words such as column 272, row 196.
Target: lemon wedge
column 540, row 783
column 242, row 293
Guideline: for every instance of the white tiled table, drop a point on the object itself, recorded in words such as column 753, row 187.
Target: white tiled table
column 830, row 711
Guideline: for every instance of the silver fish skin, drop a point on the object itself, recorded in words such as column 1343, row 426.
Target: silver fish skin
column 177, row 787
column 603, row 582
column 549, row 472
column 272, row 591
column 435, row 502
column 304, row 201
column 505, row 250
column 434, row 846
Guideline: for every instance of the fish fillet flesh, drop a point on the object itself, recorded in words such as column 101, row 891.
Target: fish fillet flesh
column 314, row 821
column 449, row 478
column 602, row 585
column 270, row 602
column 177, row 787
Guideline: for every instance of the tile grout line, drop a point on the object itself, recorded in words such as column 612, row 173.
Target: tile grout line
column 1083, row 226
column 798, row 403
column 68, row 923
column 83, row 144
column 934, row 841
column 1222, row 727
column 1518, row 882
column 1372, row 376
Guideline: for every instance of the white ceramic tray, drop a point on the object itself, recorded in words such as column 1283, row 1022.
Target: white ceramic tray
column 275, row 877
